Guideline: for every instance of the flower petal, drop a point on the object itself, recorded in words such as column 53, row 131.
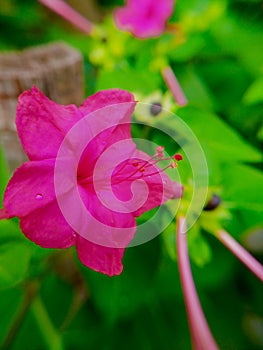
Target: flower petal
column 48, row 228
column 106, row 227
column 144, row 18
column 30, row 188
column 114, row 108
column 42, row 124
column 102, row 259
column 105, row 98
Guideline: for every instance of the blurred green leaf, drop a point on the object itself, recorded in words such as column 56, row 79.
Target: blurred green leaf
column 216, row 137
column 14, row 263
column 121, row 296
column 4, row 175
column 10, row 300
column 242, row 186
column 128, row 79
column 254, row 93
column 199, row 250
column 195, row 89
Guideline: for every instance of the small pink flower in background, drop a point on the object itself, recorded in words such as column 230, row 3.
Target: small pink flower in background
column 144, row 18
column 32, row 196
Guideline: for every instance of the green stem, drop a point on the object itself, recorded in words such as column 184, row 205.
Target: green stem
column 30, row 292
column 50, row 335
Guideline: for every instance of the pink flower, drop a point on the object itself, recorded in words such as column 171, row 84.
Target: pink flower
column 85, row 180
column 144, row 18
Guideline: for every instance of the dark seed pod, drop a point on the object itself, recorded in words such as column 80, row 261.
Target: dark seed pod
column 104, row 39
column 156, row 108
column 213, row 203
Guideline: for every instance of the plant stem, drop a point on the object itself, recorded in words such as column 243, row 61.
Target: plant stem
column 50, row 335
column 202, row 338
column 174, row 86
column 67, row 12
column 241, row 253
column 30, row 293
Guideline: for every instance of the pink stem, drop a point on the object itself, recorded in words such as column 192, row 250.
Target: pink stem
column 3, row 214
column 174, row 86
column 202, row 338
column 67, row 12
column 241, row 253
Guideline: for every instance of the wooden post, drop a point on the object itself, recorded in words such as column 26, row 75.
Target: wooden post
column 56, row 69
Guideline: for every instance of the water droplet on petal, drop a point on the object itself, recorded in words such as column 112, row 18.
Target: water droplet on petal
column 39, row 196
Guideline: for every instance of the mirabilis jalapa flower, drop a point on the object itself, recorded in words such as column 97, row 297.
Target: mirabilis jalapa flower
column 31, row 195
column 144, row 18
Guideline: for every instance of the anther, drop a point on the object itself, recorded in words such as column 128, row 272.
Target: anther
column 178, row 157
column 173, row 164
column 159, row 151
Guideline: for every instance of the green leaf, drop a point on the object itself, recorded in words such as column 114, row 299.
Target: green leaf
column 216, row 137
column 10, row 300
column 189, row 49
column 169, row 238
column 128, row 79
column 9, row 230
column 199, row 250
column 195, row 89
column 4, row 175
column 243, row 186
column 121, row 296
column 14, row 263
column 254, row 93
column 15, row 254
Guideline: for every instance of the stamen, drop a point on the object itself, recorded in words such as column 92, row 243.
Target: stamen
column 159, row 151
column 178, row 157
column 161, row 170
column 142, row 165
column 173, row 164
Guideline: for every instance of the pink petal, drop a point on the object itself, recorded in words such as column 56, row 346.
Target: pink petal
column 30, row 196
column 42, row 124
column 3, row 214
column 105, row 98
column 30, row 188
column 144, row 18
column 114, row 123
column 102, row 259
column 106, row 227
column 102, row 143
column 48, row 228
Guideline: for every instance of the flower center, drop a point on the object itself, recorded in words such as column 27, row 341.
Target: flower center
column 142, row 166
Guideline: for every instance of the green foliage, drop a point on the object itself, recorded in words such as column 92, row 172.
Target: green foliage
column 216, row 52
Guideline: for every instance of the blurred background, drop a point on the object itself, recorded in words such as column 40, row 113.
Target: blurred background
column 48, row 300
